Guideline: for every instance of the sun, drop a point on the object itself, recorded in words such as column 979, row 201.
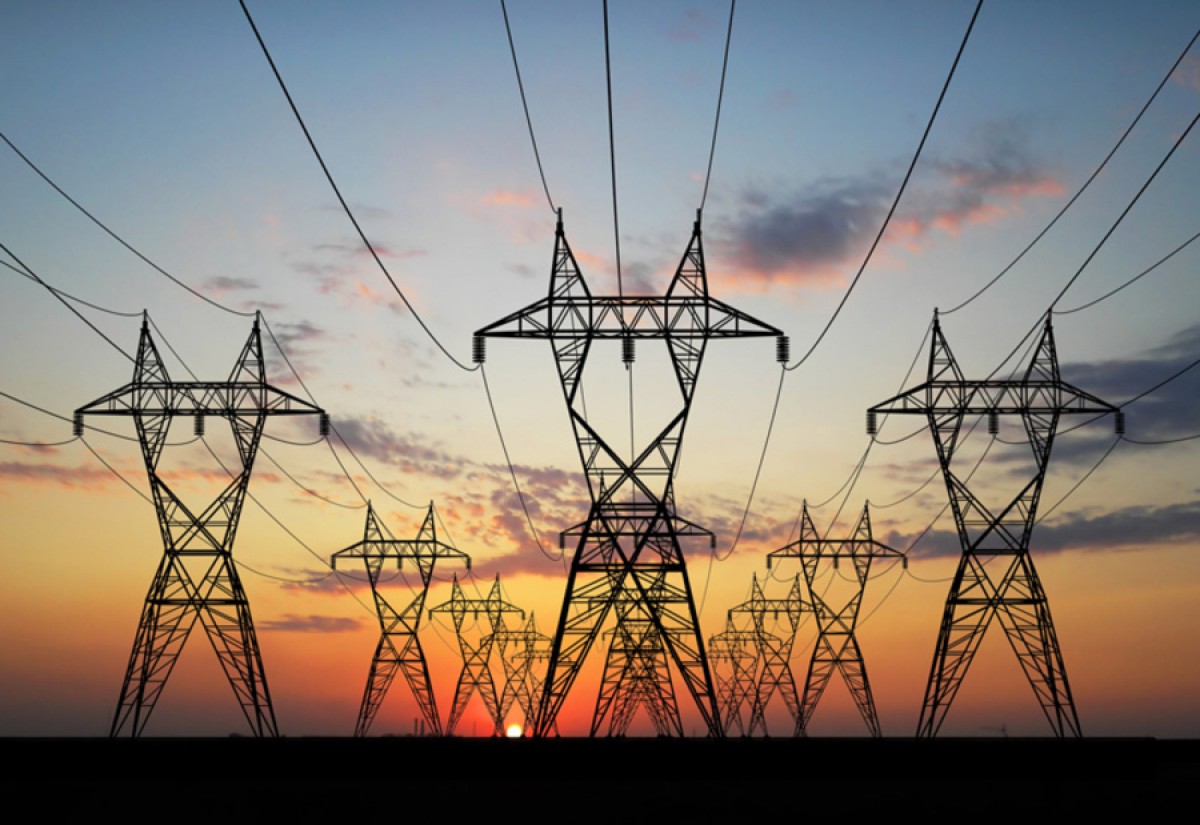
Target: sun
column 514, row 731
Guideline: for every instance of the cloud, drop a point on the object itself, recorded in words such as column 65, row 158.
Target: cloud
column 408, row 453
column 221, row 285
column 1188, row 73
column 505, row 197
column 73, row 477
column 361, row 211
column 693, row 27
column 312, row 623
column 816, row 236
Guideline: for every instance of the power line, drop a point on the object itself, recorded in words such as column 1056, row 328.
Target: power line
column 712, row 150
column 1135, row 278
column 69, row 296
column 1086, row 183
column 896, row 202
column 612, row 152
column 345, row 206
column 525, row 105
column 117, row 237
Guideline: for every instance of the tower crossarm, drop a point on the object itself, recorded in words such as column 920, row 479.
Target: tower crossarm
column 835, row 549
column 994, row 397
column 414, row 550
column 222, row 398
column 631, row 316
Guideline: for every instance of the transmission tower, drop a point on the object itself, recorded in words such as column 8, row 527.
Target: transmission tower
column 197, row 578
column 636, row 674
column 399, row 647
column 518, row 650
column 476, row 673
column 773, row 651
column 740, row 648
column 836, row 647
column 630, row 542
column 996, row 576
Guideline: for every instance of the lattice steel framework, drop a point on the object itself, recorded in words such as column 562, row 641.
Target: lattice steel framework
column 399, row 648
column 519, row 650
column 996, row 577
column 197, row 578
column 476, row 672
column 773, row 650
column 630, row 542
column 836, row 648
column 740, row 648
column 636, row 675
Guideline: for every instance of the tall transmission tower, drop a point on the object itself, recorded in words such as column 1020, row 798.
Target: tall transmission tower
column 197, row 578
column 630, row 542
column 773, row 650
column 399, row 647
column 996, row 577
column 836, row 648
column 476, row 674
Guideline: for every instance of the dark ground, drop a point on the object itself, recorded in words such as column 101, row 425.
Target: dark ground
column 596, row 780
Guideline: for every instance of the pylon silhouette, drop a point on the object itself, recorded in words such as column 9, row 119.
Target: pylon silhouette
column 399, row 647
column 836, row 648
column 197, row 578
column 996, row 577
column 629, row 546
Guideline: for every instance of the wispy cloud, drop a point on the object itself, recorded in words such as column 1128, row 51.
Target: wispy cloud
column 814, row 237
column 312, row 623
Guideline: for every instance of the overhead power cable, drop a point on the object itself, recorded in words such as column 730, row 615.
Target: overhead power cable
column 341, row 200
column 896, row 202
column 117, row 237
column 1086, row 183
column 612, row 152
column 64, row 294
column 1132, row 280
column 712, row 149
column 525, row 105
column 65, row 302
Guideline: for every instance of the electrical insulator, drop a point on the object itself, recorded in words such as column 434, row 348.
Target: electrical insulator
column 904, row 562
column 993, row 423
column 324, row 425
column 77, row 425
column 627, row 349
column 198, row 426
column 1119, row 423
column 783, row 349
column 872, row 427
column 479, row 349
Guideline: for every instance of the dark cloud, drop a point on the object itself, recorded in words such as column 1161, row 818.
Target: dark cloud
column 408, row 453
column 814, row 236
column 312, row 623
column 222, row 284
column 1140, row 526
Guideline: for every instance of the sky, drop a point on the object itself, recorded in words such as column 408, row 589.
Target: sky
column 165, row 122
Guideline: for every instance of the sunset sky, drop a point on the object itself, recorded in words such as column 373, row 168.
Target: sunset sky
column 165, row 122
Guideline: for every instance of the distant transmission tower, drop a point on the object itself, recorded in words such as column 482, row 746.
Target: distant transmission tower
column 519, row 650
column 636, row 675
column 995, row 576
column 836, row 647
column 774, row 651
column 630, row 542
column 740, row 648
column 399, row 647
column 196, row 578
column 476, row 673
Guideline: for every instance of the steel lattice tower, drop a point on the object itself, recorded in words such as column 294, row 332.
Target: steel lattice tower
column 736, row 647
column 630, row 542
column 636, row 674
column 197, row 578
column 399, row 647
column 996, row 577
column 476, row 673
column 518, row 650
column 836, row 647
column 773, row 651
